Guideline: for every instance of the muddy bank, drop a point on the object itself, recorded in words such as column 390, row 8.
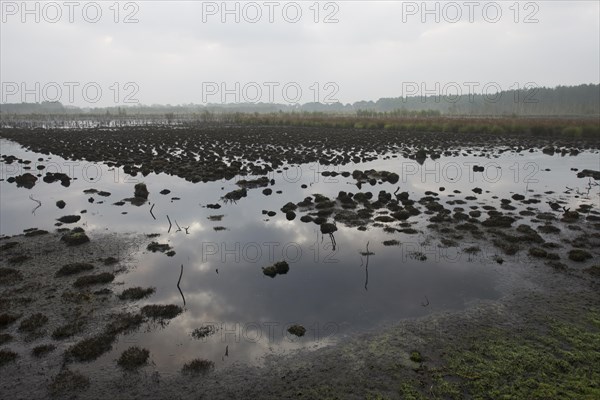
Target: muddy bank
column 57, row 328
column 62, row 304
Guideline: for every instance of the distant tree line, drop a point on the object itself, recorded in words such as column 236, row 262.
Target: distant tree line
column 582, row 100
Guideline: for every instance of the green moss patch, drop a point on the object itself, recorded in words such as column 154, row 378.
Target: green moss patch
column 500, row 364
column 416, row 356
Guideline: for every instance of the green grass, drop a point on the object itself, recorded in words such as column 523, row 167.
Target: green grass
column 501, row 364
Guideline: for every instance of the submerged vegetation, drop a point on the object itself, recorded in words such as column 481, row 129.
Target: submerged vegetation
column 134, row 357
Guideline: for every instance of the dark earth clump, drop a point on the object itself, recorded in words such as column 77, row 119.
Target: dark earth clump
column 69, row 219
column 155, row 246
column 33, row 323
column 75, row 237
column 136, row 293
column 91, row 348
column 10, row 276
column 7, row 319
column 203, row 331
column 68, row 330
column 26, row 180
column 7, row 356
column 42, row 350
column 161, row 312
column 197, row 366
column 134, row 357
column 280, row 267
column 97, row 279
column 297, row 330
column 141, row 191
column 73, row 268
column 579, row 255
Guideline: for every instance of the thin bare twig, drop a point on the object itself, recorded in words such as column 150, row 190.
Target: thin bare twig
column 37, row 201
column 170, row 224
column 151, row 210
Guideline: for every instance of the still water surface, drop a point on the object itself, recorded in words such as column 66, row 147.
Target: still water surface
column 331, row 292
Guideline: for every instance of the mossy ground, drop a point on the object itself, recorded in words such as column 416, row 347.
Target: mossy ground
column 503, row 364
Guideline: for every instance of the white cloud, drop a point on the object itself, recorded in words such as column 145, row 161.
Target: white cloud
column 170, row 52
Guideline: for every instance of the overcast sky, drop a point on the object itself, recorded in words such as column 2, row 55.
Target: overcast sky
column 182, row 52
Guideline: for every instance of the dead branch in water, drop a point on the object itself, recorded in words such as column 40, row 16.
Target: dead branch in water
column 170, row 224
column 37, row 201
column 151, row 210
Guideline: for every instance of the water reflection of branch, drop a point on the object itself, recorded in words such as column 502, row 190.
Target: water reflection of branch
column 366, row 254
column 178, row 287
column 151, row 210
column 37, row 201
column 426, row 302
column 170, row 224
column 226, row 353
column 178, row 227
column 333, row 242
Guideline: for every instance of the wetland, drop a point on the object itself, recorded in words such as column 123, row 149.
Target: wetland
column 309, row 262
